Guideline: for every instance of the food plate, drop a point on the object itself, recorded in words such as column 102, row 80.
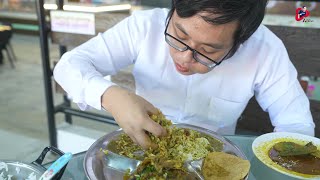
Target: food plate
column 99, row 166
column 262, row 145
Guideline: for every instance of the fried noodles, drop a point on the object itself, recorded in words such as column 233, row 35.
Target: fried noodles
column 167, row 160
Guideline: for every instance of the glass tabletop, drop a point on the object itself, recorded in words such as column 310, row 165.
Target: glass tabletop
column 258, row 170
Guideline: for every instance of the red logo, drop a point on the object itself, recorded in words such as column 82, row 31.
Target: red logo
column 302, row 13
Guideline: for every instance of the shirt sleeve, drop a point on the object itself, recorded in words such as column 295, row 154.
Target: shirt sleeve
column 81, row 71
column 281, row 95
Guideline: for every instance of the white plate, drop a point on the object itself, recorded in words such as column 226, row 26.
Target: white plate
column 262, row 144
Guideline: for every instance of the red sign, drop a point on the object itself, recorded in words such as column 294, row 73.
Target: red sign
column 302, row 13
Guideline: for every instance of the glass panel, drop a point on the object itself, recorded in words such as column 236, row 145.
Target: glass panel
column 28, row 6
column 156, row 3
column 97, row 2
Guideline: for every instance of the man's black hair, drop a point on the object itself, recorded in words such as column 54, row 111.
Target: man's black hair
column 303, row 6
column 249, row 14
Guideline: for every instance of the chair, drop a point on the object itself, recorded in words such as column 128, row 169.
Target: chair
column 5, row 36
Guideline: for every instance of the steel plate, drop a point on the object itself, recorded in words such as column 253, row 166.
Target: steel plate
column 99, row 166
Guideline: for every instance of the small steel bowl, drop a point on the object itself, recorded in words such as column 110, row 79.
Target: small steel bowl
column 21, row 170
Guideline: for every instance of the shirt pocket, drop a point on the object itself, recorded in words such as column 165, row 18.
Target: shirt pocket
column 225, row 112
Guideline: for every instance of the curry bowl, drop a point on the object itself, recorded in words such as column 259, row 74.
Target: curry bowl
column 112, row 166
column 264, row 149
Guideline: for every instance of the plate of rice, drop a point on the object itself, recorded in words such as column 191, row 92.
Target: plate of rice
column 116, row 156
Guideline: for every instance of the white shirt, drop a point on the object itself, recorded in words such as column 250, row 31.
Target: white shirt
column 214, row 100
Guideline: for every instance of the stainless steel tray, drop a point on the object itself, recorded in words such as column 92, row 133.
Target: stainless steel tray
column 99, row 166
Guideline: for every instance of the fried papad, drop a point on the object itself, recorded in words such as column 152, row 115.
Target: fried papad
column 223, row 166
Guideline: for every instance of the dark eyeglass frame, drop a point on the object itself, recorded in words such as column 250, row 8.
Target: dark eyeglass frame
column 194, row 52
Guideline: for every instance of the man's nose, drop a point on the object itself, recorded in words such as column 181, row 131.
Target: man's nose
column 187, row 57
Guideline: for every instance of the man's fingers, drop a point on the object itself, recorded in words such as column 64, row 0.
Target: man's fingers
column 133, row 138
column 151, row 126
column 151, row 109
column 143, row 139
column 154, row 128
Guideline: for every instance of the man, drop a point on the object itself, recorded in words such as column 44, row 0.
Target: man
column 199, row 63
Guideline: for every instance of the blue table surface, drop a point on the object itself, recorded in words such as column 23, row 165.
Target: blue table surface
column 258, row 170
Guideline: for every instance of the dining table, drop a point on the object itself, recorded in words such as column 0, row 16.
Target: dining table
column 258, row 170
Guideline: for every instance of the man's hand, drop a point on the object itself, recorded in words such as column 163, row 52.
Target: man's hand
column 131, row 112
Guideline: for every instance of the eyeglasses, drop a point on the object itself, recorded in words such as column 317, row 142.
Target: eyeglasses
column 199, row 57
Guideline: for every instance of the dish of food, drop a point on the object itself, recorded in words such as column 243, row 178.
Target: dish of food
column 168, row 160
column 115, row 156
column 293, row 154
column 180, row 144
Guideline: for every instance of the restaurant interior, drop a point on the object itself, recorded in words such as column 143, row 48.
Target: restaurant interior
column 35, row 112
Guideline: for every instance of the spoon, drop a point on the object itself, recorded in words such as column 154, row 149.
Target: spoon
column 56, row 166
column 194, row 166
column 120, row 162
column 123, row 163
